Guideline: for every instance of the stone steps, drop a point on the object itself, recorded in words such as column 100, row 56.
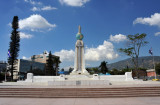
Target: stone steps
column 80, row 92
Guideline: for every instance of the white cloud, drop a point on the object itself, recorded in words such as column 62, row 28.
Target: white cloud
column 33, row 2
column 25, row 36
column 35, row 9
column 9, row 24
column 118, row 38
column 75, row 3
column 154, row 20
column 35, row 23
column 157, row 34
column 25, row 58
column 102, row 52
column 45, row 8
column 66, row 55
column 39, row 6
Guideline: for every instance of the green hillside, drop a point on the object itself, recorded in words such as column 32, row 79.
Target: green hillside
column 144, row 62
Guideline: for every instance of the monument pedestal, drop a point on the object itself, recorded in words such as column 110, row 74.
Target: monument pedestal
column 75, row 77
column 84, row 72
column 79, row 83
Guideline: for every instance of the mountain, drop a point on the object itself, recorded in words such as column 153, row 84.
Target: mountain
column 144, row 62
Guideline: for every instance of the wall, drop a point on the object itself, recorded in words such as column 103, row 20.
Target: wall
column 152, row 73
column 113, row 77
column 126, row 77
column 45, row 78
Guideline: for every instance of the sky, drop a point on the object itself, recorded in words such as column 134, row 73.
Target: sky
column 52, row 25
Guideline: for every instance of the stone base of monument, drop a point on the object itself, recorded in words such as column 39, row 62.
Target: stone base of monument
column 84, row 72
column 78, row 83
column 77, row 79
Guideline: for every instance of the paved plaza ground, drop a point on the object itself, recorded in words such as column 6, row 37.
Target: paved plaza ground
column 81, row 101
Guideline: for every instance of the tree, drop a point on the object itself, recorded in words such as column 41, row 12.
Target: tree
column 56, row 62
column 135, row 42
column 157, row 68
column 93, row 70
column 70, row 70
column 14, row 45
column 49, row 65
column 114, row 72
column 62, row 69
column 103, row 67
column 2, row 77
column 31, row 68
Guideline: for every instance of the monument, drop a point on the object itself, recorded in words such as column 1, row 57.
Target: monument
column 79, row 60
column 79, row 76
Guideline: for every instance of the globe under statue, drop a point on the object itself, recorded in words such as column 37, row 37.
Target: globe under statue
column 79, row 61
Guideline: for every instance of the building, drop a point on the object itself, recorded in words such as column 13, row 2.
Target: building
column 141, row 74
column 151, row 72
column 3, row 65
column 37, row 62
column 41, row 58
column 17, row 69
column 23, row 66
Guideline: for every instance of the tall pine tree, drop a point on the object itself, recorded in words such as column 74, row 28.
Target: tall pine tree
column 14, row 45
column 49, row 65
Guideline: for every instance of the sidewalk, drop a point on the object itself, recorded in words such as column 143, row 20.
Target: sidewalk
column 81, row 101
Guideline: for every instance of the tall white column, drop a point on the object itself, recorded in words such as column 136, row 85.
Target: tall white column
column 79, row 61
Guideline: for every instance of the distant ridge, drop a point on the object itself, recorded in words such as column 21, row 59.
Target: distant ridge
column 144, row 62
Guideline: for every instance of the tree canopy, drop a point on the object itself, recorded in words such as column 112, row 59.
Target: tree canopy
column 14, row 46
column 56, row 62
column 49, row 65
column 103, row 67
column 157, row 67
column 135, row 42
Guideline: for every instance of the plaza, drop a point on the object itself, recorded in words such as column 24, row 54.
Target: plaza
column 81, row 101
column 80, row 52
column 80, row 85
column 140, row 100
